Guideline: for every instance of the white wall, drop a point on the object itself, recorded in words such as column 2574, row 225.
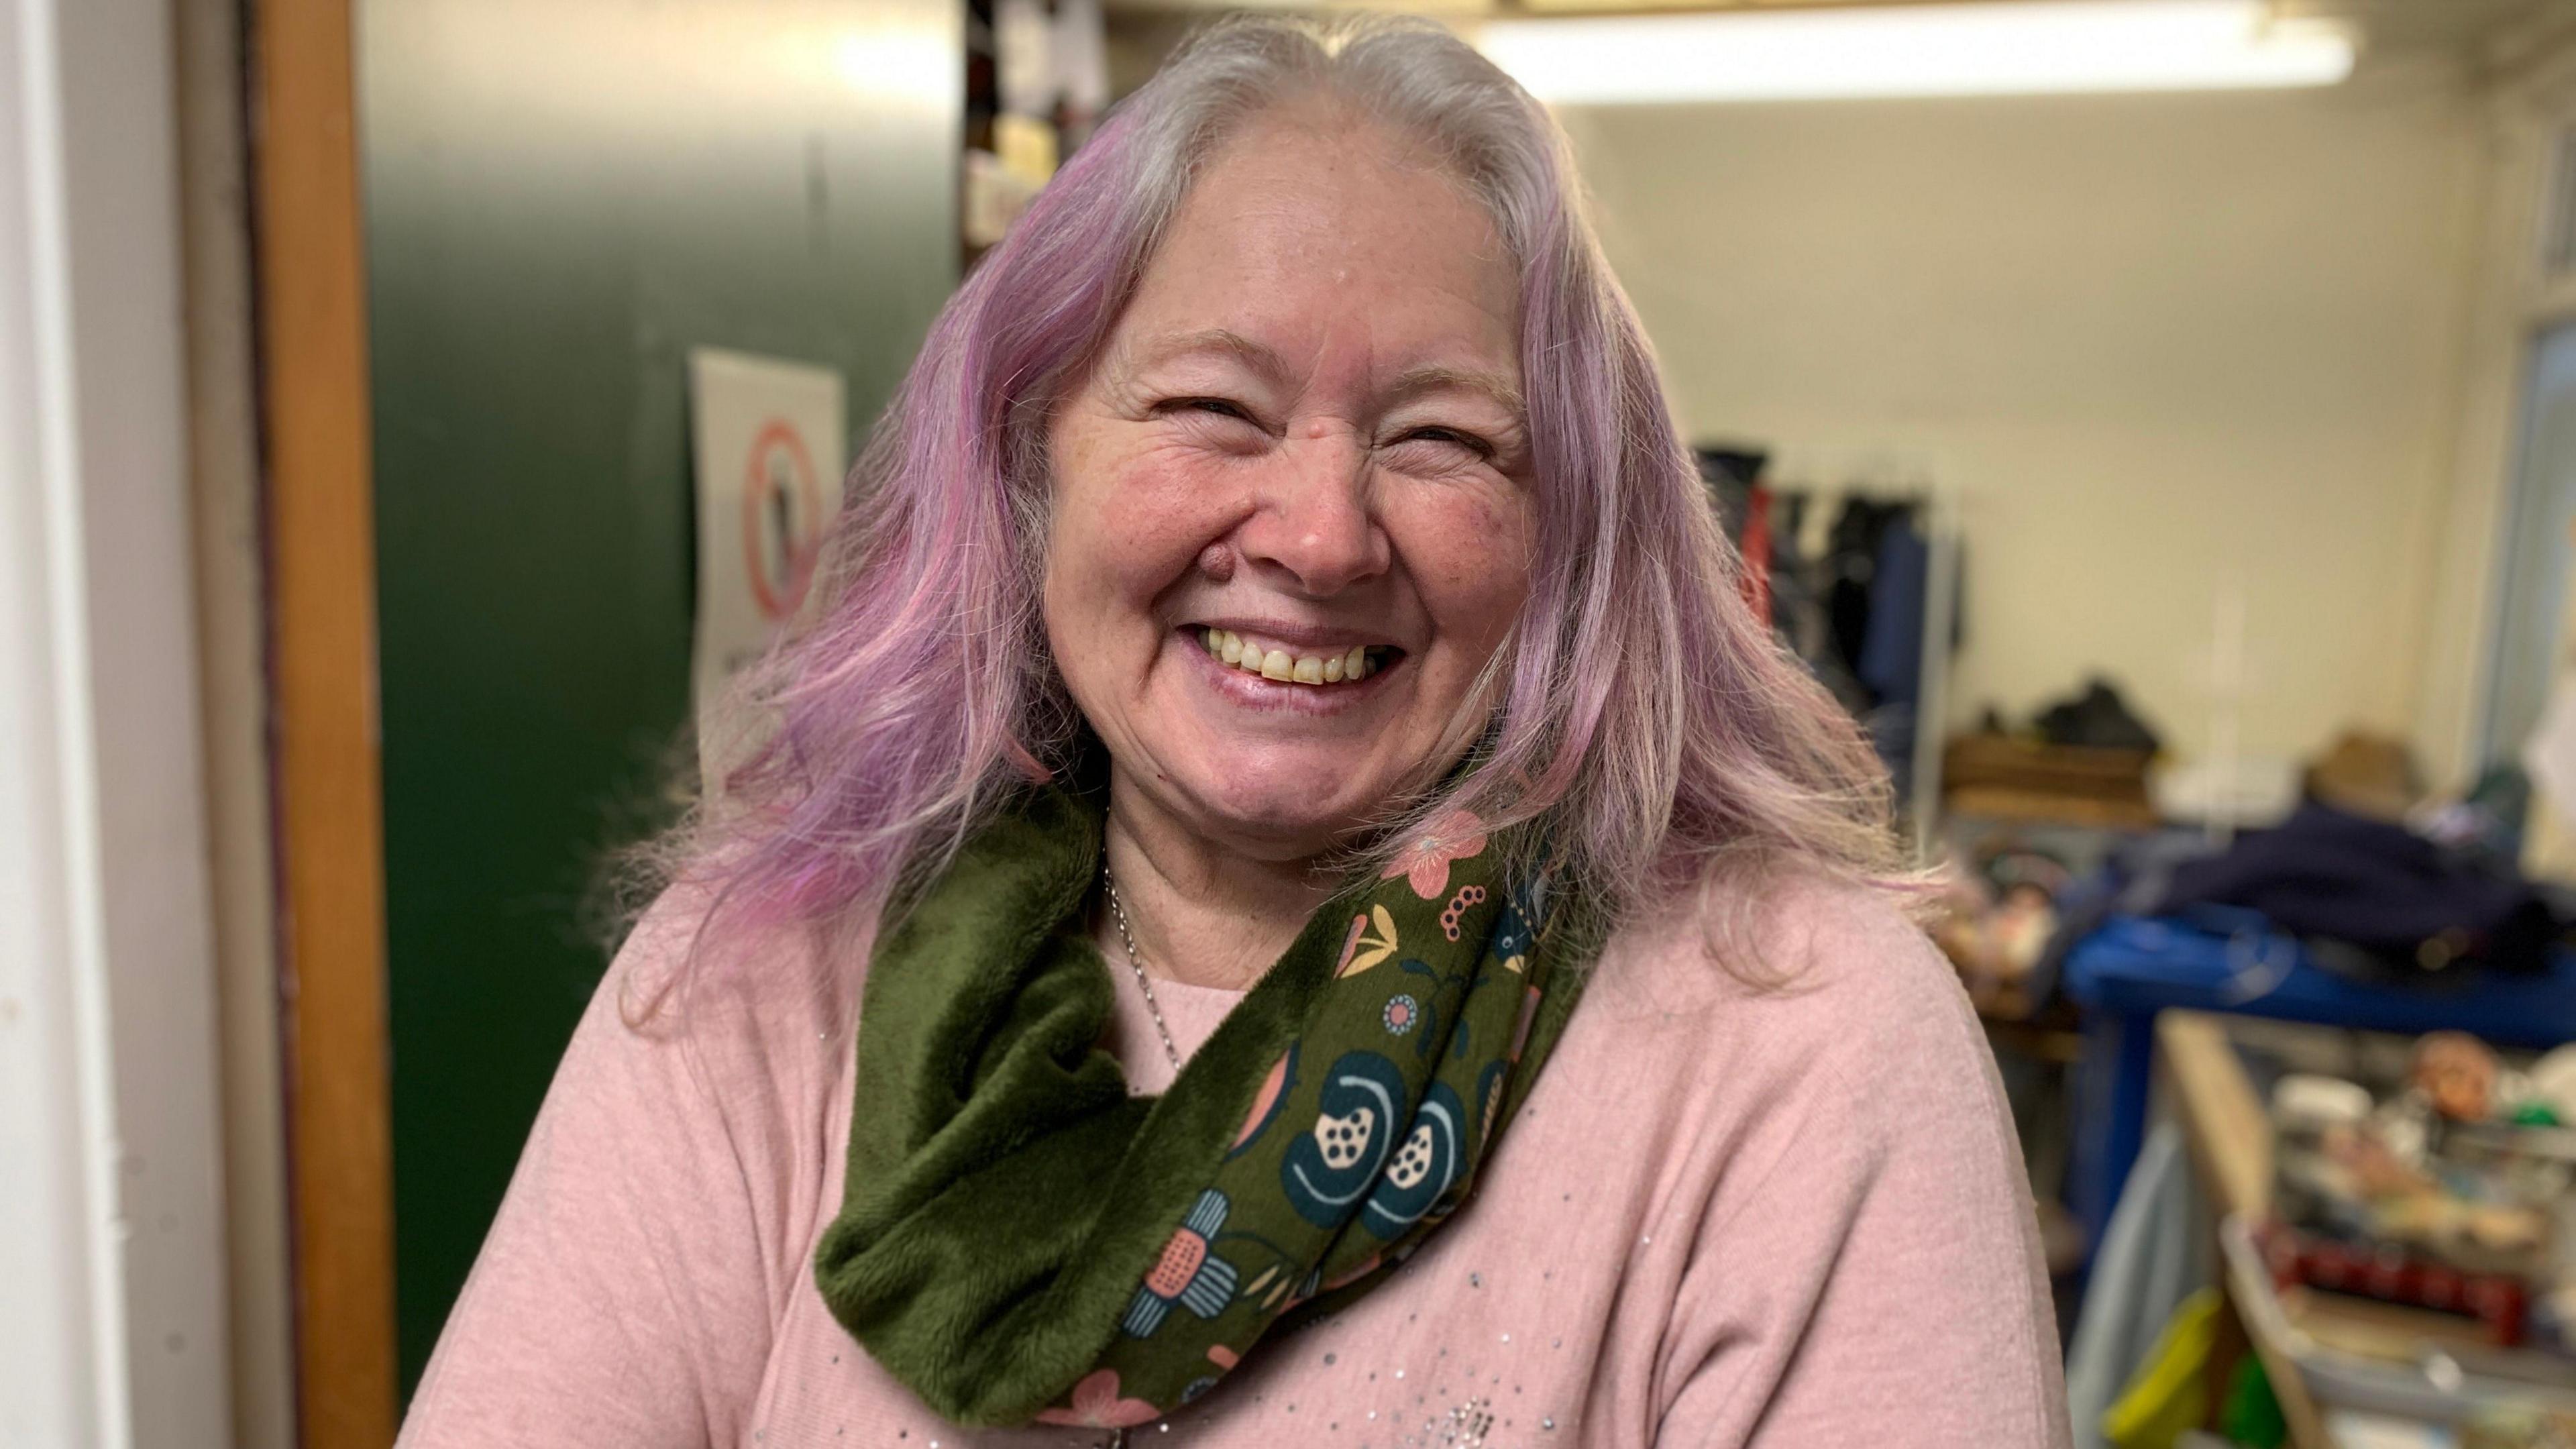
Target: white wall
column 2161, row 345
column 112, row 1324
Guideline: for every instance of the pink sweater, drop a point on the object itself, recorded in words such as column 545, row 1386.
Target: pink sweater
column 1727, row 1216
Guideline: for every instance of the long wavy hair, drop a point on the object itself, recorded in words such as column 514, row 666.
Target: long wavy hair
column 1638, row 709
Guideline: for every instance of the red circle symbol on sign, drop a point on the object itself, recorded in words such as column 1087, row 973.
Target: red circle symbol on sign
column 782, row 518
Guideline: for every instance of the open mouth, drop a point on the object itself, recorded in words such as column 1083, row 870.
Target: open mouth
column 1285, row 666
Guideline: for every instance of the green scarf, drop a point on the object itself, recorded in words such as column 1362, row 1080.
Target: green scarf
column 1022, row 1240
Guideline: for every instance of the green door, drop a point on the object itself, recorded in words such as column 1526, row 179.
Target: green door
column 563, row 197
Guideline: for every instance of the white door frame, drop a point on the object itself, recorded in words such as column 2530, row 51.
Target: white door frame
column 2507, row 306
column 112, row 1321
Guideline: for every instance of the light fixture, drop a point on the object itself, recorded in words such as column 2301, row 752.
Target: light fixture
column 2038, row 47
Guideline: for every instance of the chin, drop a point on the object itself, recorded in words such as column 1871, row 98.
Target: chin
column 1284, row 817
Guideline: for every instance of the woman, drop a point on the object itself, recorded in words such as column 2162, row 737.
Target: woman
column 1276, row 666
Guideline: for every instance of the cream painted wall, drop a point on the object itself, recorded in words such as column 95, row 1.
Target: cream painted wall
column 2162, row 346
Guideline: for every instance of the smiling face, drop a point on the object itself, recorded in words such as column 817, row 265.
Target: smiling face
column 1303, row 438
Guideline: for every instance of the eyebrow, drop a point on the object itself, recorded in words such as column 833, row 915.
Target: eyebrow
column 1265, row 360
column 1414, row 382
column 1260, row 358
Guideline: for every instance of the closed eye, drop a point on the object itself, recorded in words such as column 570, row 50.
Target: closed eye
column 1459, row 437
column 1213, row 406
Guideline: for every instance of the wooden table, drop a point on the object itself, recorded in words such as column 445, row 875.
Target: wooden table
column 2231, row 1144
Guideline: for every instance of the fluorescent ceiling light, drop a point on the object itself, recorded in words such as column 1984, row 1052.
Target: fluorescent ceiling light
column 2039, row 47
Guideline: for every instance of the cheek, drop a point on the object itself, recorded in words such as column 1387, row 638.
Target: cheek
column 1472, row 558
column 1128, row 525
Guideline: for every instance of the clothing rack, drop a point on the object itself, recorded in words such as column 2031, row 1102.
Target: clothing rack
column 1768, row 521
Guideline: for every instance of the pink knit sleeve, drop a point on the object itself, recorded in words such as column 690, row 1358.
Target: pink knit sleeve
column 1877, row 1279
column 625, row 1294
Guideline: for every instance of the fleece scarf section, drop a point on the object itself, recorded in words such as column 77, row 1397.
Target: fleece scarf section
column 1020, row 1240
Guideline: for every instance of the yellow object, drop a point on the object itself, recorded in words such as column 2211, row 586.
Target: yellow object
column 2169, row 1393
column 1027, row 147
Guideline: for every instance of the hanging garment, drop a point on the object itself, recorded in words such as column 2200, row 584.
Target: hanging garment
column 1850, row 567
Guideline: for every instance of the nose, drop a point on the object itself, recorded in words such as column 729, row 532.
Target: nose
column 1314, row 529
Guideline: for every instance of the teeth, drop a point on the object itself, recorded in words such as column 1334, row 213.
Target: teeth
column 1279, row 664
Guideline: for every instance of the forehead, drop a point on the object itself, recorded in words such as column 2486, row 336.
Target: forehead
column 1332, row 241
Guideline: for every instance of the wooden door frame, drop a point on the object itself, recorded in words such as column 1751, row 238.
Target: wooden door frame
column 316, row 438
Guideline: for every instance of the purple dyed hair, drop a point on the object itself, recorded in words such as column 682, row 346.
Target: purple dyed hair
column 1638, row 708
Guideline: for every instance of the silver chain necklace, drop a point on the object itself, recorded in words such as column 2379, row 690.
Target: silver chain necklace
column 1136, row 963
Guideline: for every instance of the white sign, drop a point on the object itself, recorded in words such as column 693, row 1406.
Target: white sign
column 769, row 454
